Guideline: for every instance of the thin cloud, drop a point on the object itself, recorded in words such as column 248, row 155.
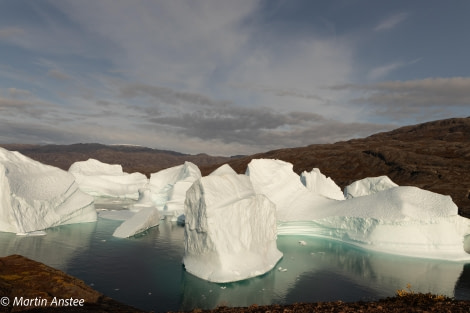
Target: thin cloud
column 391, row 22
column 168, row 95
column 56, row 74
column 426, row 98
column 384, row 70
column 280, row 92
column 18, row 93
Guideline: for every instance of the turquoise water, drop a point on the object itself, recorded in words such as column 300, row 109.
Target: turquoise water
column 146, row 271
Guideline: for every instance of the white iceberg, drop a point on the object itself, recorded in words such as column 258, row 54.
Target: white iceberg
column 230, row 232
column 321, row 185
column 402, row 220
column 224, row 169
column 168, row 188
column 34, row 196
column 107, row 180
column 368, row 186
column 277, row 180
column 381, row 216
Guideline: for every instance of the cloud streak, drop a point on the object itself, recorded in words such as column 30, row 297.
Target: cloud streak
column 391, row 22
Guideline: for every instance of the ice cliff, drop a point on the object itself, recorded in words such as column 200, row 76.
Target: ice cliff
column 34, row 196
column 230, row 231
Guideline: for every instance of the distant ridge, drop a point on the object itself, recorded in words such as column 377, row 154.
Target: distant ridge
column 434, row 156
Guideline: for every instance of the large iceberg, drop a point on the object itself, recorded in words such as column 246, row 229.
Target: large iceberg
column 230, row 232
column 168, row 188
column 34, row 196
column 107, row 180
column 379, row 215
column 402, row 220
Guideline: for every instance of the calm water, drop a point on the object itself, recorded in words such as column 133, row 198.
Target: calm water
column 146, row 271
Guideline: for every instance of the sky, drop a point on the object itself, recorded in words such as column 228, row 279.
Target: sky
column 228, row 77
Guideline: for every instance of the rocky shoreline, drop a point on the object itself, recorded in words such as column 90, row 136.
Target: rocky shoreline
column 30, row 286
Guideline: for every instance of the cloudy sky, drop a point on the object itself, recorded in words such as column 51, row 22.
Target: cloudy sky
column 228, row 77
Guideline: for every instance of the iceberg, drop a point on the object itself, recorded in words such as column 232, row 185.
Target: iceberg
column 321, row 185
column 146, row 218
column 168, row 188
column 378, row 215
column 230, row 231
column 34, row 196
column 107, row 180
column 405, row 221
column 368, row 186
column 277, row 180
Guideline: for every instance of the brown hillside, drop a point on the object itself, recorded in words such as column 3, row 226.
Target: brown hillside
column 433, row 156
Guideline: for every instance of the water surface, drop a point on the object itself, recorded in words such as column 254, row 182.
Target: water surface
column 146, row 271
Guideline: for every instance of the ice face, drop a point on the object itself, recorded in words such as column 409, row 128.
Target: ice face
column 107, row 180
column 168, row 188
column 277, row 180
column 321, row 185
column 368, row 186
column 146, row 218
column 230, row 232
column 34, row 196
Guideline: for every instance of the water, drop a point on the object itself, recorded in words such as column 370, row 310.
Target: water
column 146, row 271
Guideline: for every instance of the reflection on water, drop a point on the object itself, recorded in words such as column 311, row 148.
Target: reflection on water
column 146, row 271
column 56, row 249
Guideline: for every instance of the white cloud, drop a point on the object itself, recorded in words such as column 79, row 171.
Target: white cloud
column 383, row 70
column 391, row 21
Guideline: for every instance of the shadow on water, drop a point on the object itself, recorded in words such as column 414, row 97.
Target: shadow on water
column 57, row 248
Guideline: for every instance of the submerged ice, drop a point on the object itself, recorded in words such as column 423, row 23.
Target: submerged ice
column 34, row 196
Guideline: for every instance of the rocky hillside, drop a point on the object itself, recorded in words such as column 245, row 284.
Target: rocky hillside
column 433, row 156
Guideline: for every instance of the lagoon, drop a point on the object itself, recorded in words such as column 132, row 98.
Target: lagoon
column 146, row 271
